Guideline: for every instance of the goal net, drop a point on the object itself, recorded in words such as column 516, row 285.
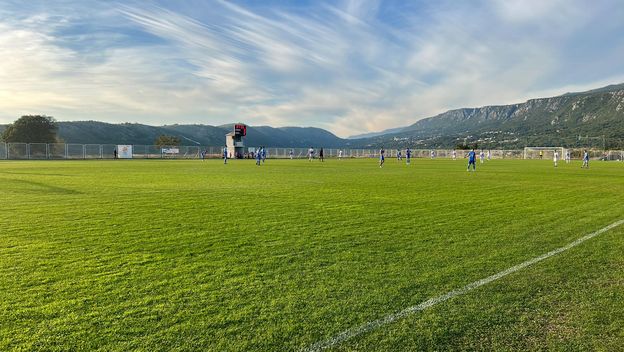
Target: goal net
column 546, row 153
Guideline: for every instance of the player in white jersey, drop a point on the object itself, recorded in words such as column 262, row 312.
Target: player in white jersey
column 310, row 154
column 567, row 156
column 399, row 156
column 556, row 157
column 291, row 153
column 340, row 154
column 489, row 155
column 481, row 156
column 432, row 154
column 454, row 155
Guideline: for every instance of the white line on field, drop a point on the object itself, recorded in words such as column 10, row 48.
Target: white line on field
column 372, row 325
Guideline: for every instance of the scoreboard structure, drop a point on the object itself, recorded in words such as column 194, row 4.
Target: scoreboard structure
column 234, row 141
column 240, row 130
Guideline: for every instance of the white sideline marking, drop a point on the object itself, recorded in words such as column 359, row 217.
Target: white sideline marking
column 372, row 325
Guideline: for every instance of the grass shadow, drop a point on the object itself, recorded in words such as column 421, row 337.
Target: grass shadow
column 44, row 187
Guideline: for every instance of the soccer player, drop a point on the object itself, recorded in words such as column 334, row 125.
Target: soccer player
column 481, row 156
column 225, row 154
column 382, row 157
column 432, row 154
column 258, row 156
column 291, row 153
column 541, row 154
column 585, row 159
column 472, row 156
column 310, row 154
column 203, row 155
column 567, row 156
column 264, row 154
column 399, row 156
column 340, row 155
column 489, row 155
column 556, row 157
column 408, row 156
column 454, row 154
column 321, row 155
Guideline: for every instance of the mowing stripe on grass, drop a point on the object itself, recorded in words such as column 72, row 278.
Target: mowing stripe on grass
column 372, row 325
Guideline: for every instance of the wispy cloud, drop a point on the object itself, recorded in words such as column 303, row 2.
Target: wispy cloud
column 350, row 66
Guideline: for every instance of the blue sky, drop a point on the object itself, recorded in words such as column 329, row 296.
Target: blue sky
column 348, row 66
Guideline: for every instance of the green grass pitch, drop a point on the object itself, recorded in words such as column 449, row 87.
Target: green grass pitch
column 191, row 255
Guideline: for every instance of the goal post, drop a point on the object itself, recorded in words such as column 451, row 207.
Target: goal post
column 546, row 153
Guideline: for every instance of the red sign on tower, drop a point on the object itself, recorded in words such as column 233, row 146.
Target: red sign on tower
column 240, row 130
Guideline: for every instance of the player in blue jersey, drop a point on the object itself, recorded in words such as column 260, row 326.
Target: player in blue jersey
column 225, row 154
column 585, row 159
column 472, row 160
column 408, row 156
column 263, row 154
column 382, row 157
column 258, row 156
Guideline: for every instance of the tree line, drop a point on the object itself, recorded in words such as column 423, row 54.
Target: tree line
column 44, row 129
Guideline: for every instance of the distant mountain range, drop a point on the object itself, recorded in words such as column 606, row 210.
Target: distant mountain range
column 555, row 121
column 376, row 134
column 573, row 119
column 84, row 132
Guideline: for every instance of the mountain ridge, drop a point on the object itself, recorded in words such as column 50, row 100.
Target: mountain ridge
column 550, row 121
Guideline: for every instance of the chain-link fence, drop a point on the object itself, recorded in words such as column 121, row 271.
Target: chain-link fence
column 17, row 151
column 617, row 155
column 51, row 151
column 38, row 151
column 57, row 151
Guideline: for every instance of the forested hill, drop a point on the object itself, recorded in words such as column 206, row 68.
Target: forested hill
column 555, row 121
column 133, row 133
